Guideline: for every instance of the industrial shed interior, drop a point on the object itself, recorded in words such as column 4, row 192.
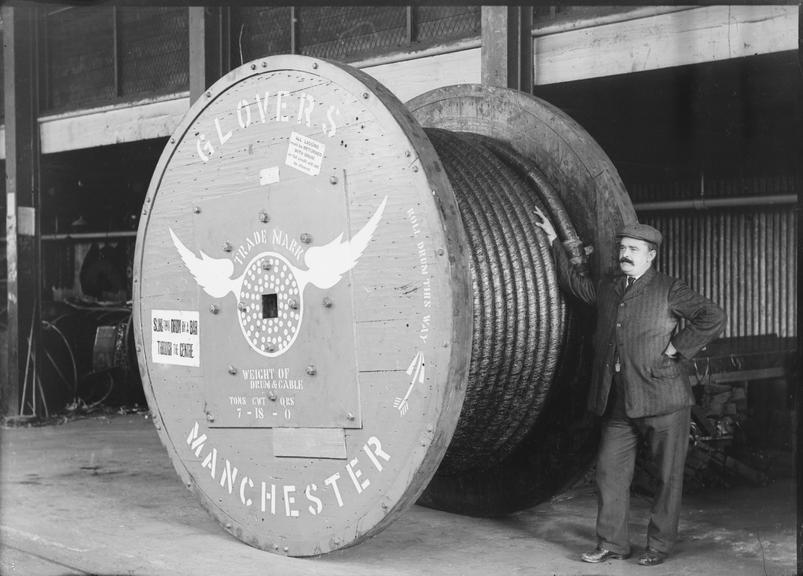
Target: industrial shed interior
column 697, row 111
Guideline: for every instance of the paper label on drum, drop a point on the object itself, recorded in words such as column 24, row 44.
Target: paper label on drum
column 305, row 154
column 175, row 338
column 269, row 176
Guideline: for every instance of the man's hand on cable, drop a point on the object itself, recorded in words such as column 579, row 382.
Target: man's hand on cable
column 546, row 225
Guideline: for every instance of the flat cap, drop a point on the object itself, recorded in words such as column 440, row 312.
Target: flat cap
column 641, row 232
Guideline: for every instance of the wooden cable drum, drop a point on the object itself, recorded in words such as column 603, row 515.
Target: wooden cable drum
column 342, row 305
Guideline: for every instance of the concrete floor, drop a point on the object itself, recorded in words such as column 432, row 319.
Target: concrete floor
column 100, row 496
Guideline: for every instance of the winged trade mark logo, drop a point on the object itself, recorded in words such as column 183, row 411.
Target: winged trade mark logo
column 270, row 290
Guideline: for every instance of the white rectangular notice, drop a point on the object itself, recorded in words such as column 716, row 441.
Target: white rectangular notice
column 269, row 176
column 175, row 338
column 305, row 154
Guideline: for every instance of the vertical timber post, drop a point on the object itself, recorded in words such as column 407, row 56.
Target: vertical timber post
column 22, row 199
column 209, row 29
column 411, row 35
column 507, row 47
column 293, row 30
column 796, row 403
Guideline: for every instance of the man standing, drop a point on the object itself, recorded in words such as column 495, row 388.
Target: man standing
column 637, row 383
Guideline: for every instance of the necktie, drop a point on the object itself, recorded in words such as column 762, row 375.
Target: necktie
column 630, row 281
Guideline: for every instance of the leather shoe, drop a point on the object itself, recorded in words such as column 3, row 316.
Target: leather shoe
column 601, row 554
column 651, row 557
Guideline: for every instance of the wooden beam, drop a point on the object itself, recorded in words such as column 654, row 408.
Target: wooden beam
column 209, row 47
column 130, row 122
column 22, row 196
column 748, row 375
column 410, row 78
column 694, row 36
column 507, row 47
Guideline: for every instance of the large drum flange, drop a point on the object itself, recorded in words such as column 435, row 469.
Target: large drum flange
column 301, row 298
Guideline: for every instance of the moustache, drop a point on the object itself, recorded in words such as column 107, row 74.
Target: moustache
column 621, row 260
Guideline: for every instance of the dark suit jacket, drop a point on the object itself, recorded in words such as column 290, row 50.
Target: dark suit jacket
column 639, row 324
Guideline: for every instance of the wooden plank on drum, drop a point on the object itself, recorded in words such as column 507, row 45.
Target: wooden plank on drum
column 309, row 443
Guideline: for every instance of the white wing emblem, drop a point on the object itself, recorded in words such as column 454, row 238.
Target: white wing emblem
column 326, row 264
column 211, row 274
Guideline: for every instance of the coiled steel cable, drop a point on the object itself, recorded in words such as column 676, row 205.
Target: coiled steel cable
column 547, row 193
column 520, row 317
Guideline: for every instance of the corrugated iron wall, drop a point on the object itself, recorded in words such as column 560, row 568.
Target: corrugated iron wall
column 743, row 259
